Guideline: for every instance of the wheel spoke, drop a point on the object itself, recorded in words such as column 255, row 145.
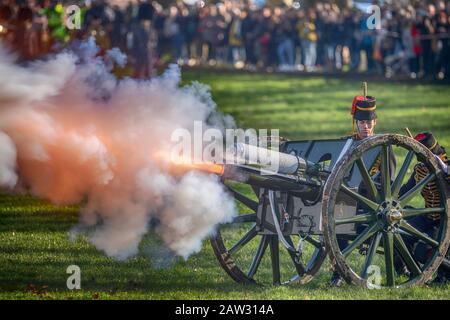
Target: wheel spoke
column 407, row 197
column 401, row 175
column 298, row 265
column 255, row 190
column 244, row 240
column 258, row 256
column 369, row 203
column 385, row 170
column 370, row 254
column 314, row 242
column 249, row 203
column 367, row 180
column 389, row 258
column 313, row 258
column 361, row 238
column 275, row 256
column 361, row 218
column 412, row 212
column 244, row 218
column 407, row 258
column 405, row 226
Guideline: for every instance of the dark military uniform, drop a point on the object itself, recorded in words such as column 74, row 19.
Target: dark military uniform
column 430, row 192
column 428, row 224
column 363, row 109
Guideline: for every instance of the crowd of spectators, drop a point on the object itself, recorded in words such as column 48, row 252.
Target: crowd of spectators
column 412, row 37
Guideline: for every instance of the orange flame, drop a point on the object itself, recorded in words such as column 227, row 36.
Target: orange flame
column 204, row 167
column 181, row 166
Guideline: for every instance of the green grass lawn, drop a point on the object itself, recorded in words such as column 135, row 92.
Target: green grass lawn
column 35, row 248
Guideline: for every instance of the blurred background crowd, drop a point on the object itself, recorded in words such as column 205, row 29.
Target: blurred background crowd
column 309, row 36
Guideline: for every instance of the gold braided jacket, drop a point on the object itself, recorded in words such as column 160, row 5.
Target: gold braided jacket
column 430, row 192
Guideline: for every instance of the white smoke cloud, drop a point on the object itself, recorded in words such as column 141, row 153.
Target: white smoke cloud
column 8, row 176
column 182, row 223
column 70, row 131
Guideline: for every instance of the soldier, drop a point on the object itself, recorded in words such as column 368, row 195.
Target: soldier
column 364, row 119
column 364, row 122
column 428, row 224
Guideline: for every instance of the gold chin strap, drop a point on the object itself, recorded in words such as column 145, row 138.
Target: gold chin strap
column 354, row 132
column 434, row 145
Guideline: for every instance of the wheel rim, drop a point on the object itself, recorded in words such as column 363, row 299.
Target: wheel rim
column 252, row 258
column 386, row 221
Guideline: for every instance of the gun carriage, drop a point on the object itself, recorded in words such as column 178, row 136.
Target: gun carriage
column 327, row 193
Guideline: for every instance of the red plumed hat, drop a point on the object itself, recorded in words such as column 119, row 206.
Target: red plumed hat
column 363, row 108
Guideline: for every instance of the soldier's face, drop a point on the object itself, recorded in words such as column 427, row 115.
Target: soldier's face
column 366, row 128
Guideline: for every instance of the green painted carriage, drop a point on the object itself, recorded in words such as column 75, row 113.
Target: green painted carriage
column 290, row 222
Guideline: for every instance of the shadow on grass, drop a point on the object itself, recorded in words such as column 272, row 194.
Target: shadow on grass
column 42, row 261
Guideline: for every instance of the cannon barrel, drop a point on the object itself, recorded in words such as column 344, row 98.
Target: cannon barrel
column 272, row 170
column 278, row 162
column 305, row 188
column 263, row 168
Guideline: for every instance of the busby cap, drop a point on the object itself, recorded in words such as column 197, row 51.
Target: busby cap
column 364, row 108
column 429, row 141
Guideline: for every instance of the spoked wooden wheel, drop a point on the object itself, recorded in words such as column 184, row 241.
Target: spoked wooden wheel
column 241, row 247
column 386, row 236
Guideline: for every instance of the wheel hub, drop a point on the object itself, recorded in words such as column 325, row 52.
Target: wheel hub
column 391, row 213
column 394, row 216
